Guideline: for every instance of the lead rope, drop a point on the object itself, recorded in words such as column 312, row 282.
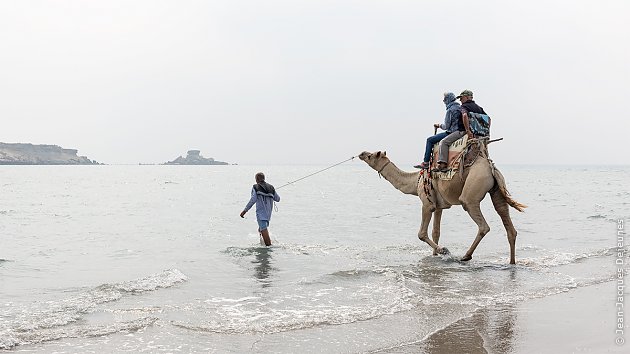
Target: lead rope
column 275, row 206
column 314, row 173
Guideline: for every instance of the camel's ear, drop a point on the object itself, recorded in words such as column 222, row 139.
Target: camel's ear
column 384, row 153
column 378, row 154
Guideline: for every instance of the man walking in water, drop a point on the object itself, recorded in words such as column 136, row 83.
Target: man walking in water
column 263, row 195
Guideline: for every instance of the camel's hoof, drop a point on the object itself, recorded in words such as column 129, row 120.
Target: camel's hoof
column 443, row 251
column 466, row 258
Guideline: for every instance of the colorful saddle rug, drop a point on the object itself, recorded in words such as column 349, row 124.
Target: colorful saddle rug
column 454, row 158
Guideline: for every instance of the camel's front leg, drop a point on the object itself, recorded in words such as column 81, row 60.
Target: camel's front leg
column 478, row 183
column 423, row 234
column 436, row 229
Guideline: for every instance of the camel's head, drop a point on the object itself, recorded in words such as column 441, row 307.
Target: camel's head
column 376, row 160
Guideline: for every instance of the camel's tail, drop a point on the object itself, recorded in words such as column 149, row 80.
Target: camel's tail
column 501, row 185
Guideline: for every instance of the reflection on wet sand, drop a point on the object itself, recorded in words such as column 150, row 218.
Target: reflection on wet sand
column 488, row 330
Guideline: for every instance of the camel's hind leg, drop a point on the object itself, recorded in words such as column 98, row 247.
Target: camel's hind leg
column 423, row 234
column 437, row 219
column 501, row 206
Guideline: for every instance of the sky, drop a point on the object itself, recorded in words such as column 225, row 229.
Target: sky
column 313, row 82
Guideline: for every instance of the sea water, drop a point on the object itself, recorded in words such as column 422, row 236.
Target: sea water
column 156, row 258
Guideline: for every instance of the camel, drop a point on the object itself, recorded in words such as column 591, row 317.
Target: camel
column 467, row 188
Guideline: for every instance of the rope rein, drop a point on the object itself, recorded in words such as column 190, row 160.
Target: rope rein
column 382, row 168
column 314, row 173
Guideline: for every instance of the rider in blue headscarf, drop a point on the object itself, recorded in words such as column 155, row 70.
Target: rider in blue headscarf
column 452, row 123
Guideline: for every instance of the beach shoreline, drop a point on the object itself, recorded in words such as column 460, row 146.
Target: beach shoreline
column 580, row 320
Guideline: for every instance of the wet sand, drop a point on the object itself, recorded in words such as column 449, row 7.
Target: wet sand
column 580, row 320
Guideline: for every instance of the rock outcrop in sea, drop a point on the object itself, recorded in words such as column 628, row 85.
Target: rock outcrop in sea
column 29, row 154
column 194, row 158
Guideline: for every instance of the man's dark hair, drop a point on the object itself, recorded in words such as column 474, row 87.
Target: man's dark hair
column 260, row 177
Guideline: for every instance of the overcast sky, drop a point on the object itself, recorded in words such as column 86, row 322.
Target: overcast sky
column 313, row 82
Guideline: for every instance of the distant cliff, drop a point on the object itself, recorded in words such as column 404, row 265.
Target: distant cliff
column 29, row 154
column 194, row 158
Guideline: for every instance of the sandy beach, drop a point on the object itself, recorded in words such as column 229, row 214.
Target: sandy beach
column 581, row 320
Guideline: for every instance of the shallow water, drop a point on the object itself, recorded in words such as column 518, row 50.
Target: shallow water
column 156, row 258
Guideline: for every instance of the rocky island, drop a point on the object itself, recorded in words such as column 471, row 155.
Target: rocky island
column 194, row 158
column 29, row 154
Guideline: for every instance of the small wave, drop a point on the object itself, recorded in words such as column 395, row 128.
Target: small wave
column 239, row 252
column 71, row 310
column 354, row 273
column 296, row 249
column 504, row 295
column 333, row 304
column 596, row 281
column 227, row 300
column 45, row 319
column 547, row 259
column 407, row 248
column 242, row 319
column 596, row 216
column 11, row 339
column 555, row 258
column 528, row 247
column 314, row 249
column 135, row 311
column 165, row 279
column 8, row 340
column 447, row 266
column 328, row 250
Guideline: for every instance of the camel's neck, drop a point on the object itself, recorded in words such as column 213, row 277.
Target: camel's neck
column 406, row 182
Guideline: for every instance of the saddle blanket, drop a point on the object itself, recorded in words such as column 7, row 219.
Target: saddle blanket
column 454, row 158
